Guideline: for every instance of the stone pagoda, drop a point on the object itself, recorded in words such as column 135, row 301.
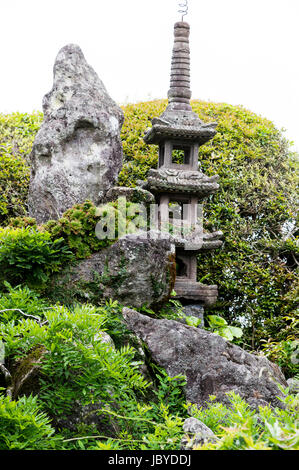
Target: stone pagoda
column 178, row 184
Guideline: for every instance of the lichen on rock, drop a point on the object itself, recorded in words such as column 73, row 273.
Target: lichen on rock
column 77, row 153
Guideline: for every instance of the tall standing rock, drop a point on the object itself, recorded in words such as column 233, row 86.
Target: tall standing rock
column 77, row 153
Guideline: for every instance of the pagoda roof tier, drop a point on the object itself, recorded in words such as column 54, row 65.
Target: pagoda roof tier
column 208, row 241
column 181, row 181
column 191, row 290
column 179, row 125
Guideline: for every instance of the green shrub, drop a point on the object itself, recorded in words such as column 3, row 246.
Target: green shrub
column 136, row 413
column 79, row 367
column 17, row 132
column 255, row 207
column 285, row 354
column 23, row 426
column 29, row 256
column 20, row 299
column 78, row 225
column 240, row 428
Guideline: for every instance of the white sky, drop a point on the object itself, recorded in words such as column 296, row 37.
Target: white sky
column 242, row 52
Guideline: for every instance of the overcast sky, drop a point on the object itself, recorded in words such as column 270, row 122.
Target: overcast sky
column 242, row 52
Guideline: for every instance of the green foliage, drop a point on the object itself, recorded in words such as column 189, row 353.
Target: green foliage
column 20, row 299
column 79, row 365
column 27, row 255
column 17, row 132
column 285, row 354
column 135, row 413
column 255, row 207
column 281, row 345
column 23, row 426
column 255, row 270
column 78, row 225
column 77, row 228
column 220, row 327
column 240, row 428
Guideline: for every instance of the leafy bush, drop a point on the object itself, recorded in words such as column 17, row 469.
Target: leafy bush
column 23, row 426
column 78, row 225
column 136, row 413
column 27, row 255
column 20, row 299
column 255, row 207
column 220, row 326
column 17, row 133
column 79, row 367
column 240, row 428
column 285, row 354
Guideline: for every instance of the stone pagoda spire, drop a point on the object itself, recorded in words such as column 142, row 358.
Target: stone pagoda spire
column 178, row 120
column 179, row 93
column 178, row 184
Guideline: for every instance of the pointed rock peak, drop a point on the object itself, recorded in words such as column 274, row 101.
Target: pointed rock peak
column 77, row 153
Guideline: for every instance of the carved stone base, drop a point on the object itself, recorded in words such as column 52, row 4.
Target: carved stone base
column 191, row 290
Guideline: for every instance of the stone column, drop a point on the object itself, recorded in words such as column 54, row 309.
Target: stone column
column 179, row 93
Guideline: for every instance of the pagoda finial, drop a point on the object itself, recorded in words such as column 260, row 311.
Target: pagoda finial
column 179, row 93
column 183, row 8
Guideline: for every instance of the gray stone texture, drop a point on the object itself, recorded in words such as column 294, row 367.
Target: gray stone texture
column 77, row 153
column 136, row 195
column 195, row 310
column 212, row 365
column 293, row 385
column 197, row 433
column 137, row 270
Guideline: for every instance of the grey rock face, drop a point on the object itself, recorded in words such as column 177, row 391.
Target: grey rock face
column 137, row 195
column 197, row 433
column 195, row 310
column 137, row 270
column 88, row 415
column 77, row 153
column 212, row 365
column 293, row 385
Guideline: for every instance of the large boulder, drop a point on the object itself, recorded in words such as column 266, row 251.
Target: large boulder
column 137, row 270
column 77, row 153
column 212, row 365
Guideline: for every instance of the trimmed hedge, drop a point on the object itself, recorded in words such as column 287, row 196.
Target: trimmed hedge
column 17, row 133
column 255, row 207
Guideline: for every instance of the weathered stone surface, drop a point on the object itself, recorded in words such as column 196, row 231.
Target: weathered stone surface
column 87, row 415
column 25, row 377
column 212, row 365
column 137, row 195
column 77, row 153
column 137, row 270
column 293, row 385
column 196, row 291
column 195, row 310
column 189, row 182
column 197, row 433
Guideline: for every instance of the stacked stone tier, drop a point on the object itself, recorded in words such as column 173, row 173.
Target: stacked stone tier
column 196, row 291
column 181, row 181
column 207, row 241
column 161, row 131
